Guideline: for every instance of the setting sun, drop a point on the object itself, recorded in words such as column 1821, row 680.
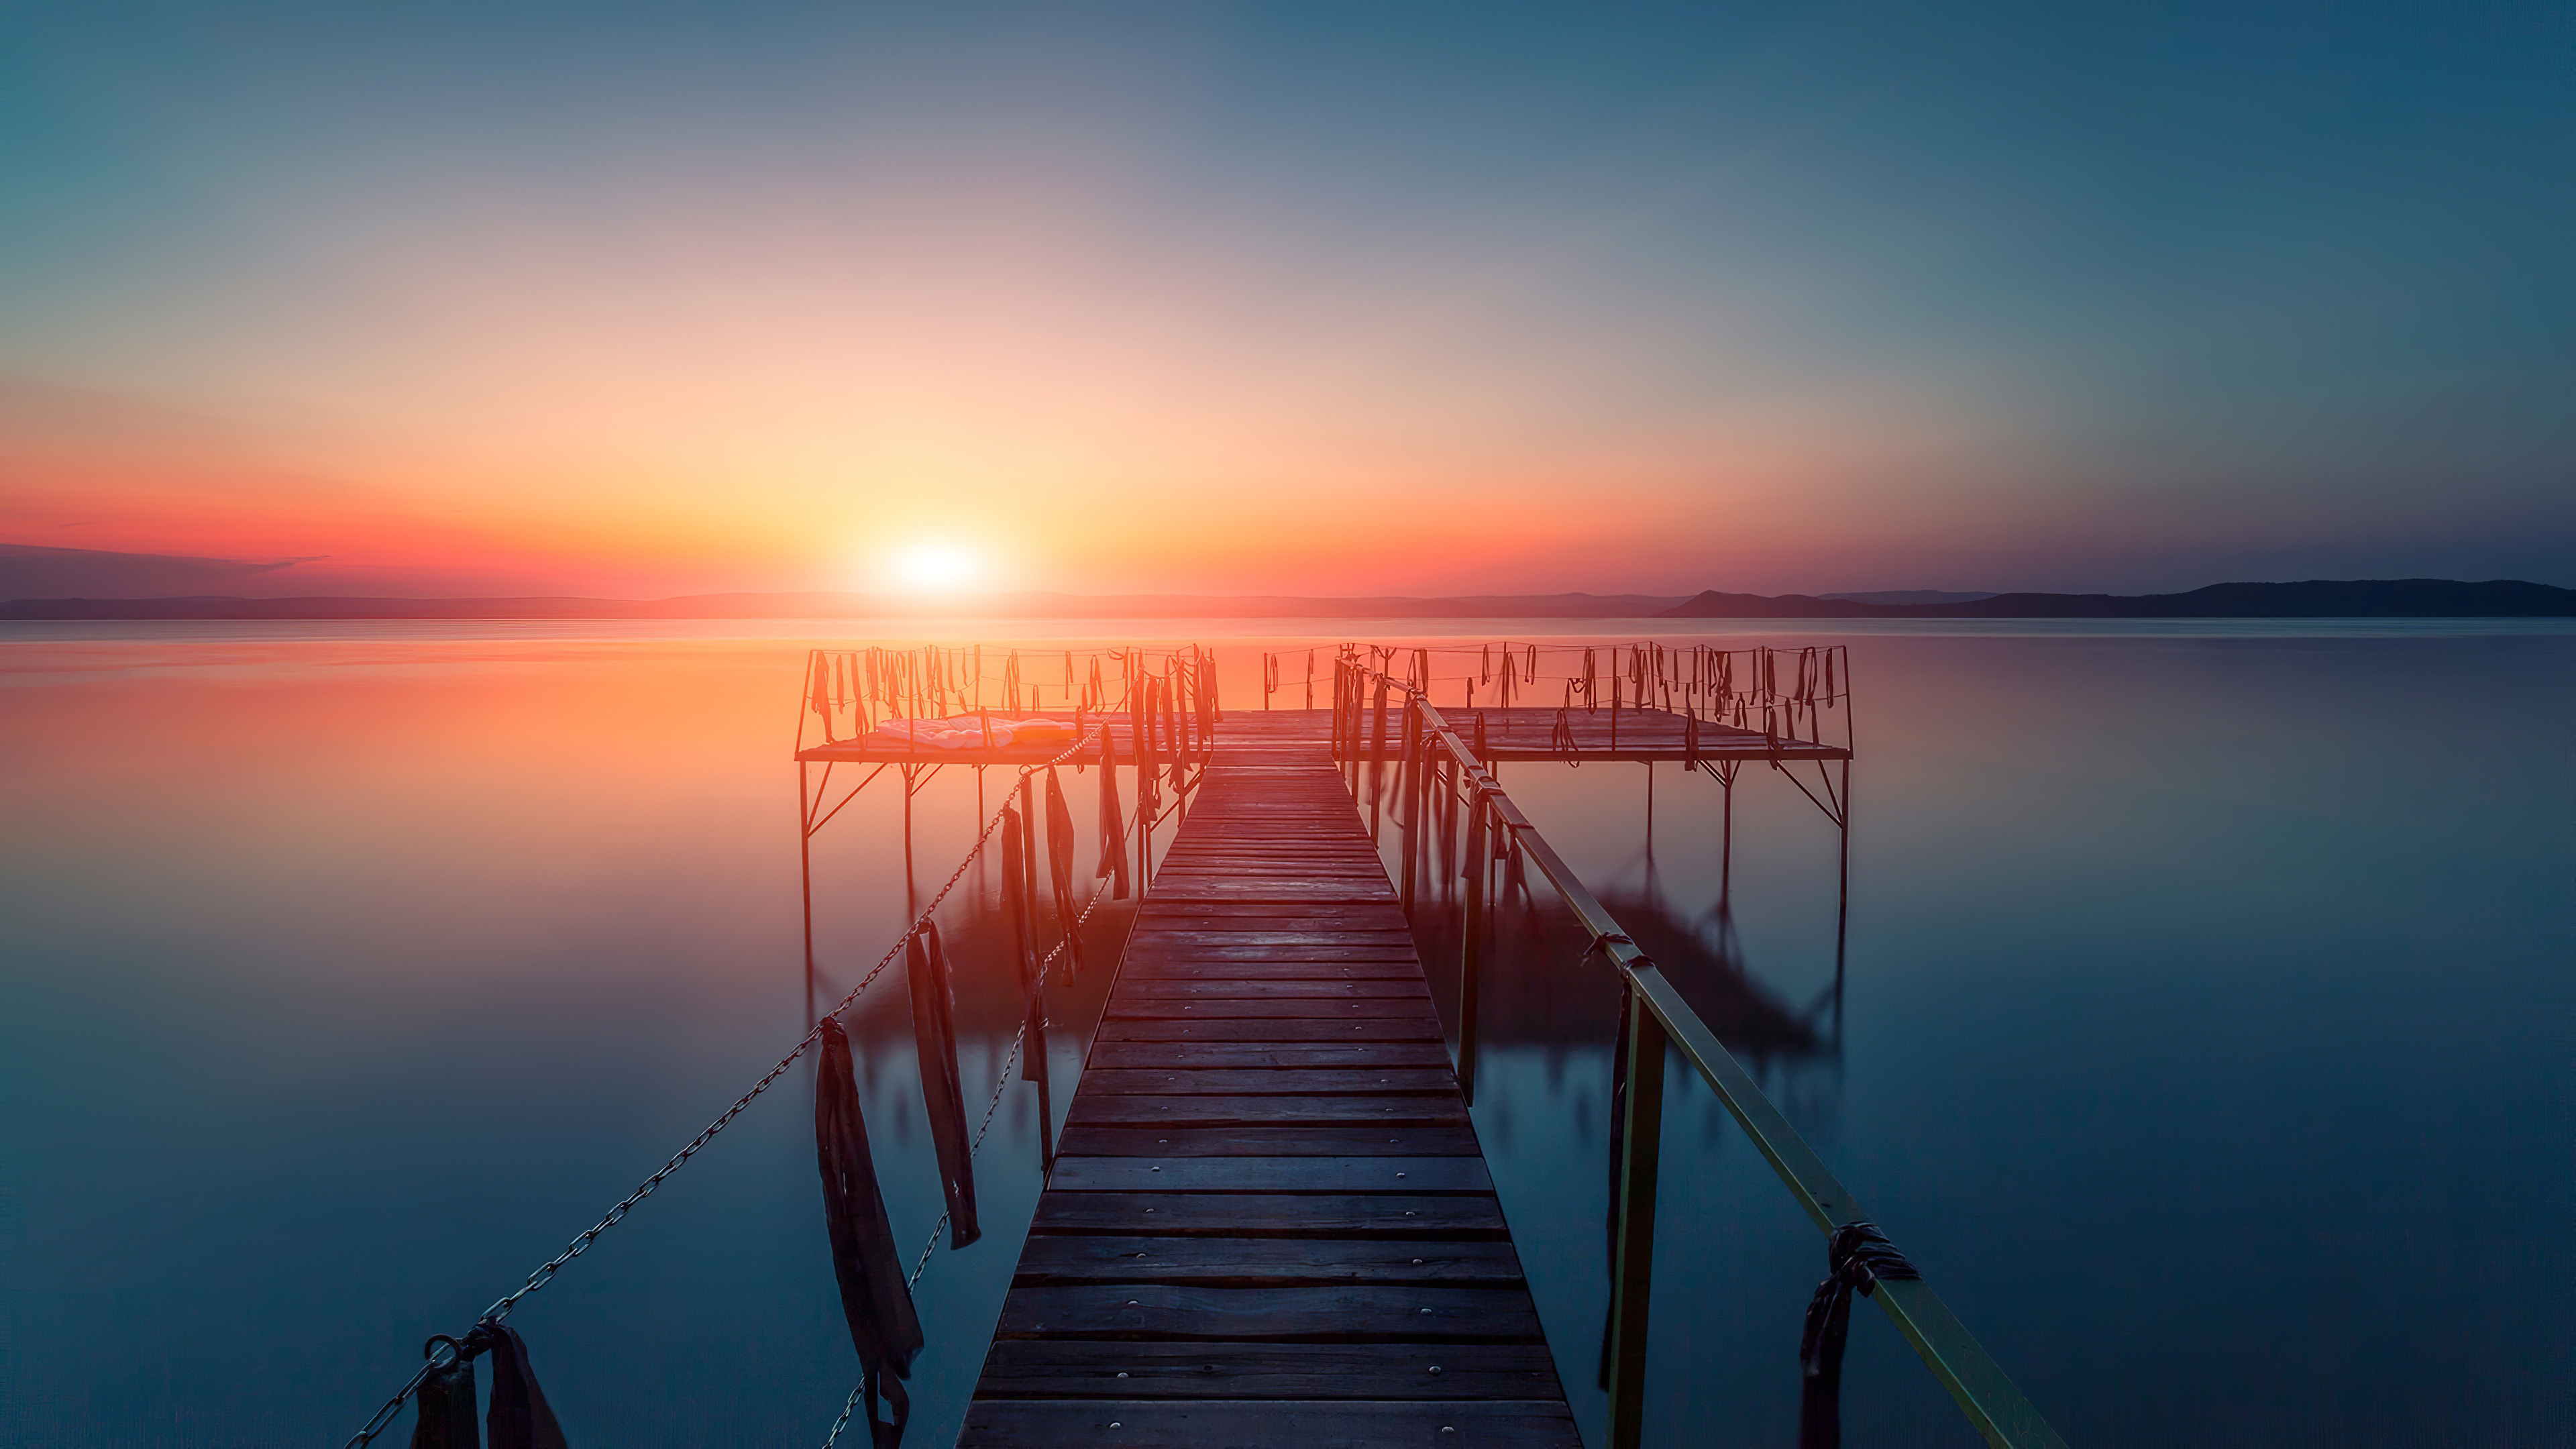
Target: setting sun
column 936, row 568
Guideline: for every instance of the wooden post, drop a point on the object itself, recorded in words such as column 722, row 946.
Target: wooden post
column 1377, row 762
column 1408, row 799
column 1631, row 1278
column 1471, row 940
column 805, row 873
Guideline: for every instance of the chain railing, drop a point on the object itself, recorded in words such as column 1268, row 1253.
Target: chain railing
column 1382, row 719
column 443, row 1349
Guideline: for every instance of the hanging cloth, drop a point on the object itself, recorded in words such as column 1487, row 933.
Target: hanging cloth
column 875, row 1301
column 1857, row 1256
column 1019, row 854
column 934, row 1034
column 1059, row 833
column 1113, row 821
column 519, row 1417
column 820, row 696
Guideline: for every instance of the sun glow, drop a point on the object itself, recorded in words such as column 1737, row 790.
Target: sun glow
column 936, row 568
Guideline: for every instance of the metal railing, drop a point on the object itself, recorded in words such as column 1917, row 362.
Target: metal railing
column 1378, row 720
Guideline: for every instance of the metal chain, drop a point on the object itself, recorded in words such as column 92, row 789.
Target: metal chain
column 546, row 1271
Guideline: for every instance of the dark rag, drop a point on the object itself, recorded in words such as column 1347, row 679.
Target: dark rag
column 1857, row 1256
column 934, row 1035
column 874, row 1298
column 519, row 1417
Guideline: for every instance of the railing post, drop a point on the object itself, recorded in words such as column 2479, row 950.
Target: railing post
column 1631, row 1277
column 1408, row 798
column 1471, row 943
column 1377, row 763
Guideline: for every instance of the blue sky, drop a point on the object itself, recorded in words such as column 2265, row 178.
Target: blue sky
column 642, row 298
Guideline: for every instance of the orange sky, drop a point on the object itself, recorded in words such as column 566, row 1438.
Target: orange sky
column 504, row 303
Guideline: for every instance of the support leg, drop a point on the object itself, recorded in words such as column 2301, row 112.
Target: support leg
column 1631, row 1281
column 805, row 870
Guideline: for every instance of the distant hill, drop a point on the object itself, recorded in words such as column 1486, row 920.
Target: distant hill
column 2313, row 599
column 1911, row 596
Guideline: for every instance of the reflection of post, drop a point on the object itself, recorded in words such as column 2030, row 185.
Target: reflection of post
column 805, row 869
column 1640, row 1147
column 911, row 897
column 1842, row 905
column 1726, row 830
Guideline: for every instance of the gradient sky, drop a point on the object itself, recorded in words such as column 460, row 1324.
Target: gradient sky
column 1303, row 298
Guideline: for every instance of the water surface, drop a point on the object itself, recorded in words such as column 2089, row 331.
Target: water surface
column 2206, row 1034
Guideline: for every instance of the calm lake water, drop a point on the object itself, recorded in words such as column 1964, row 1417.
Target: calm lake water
column 2207, row 1035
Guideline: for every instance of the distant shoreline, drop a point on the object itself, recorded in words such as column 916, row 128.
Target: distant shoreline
column 2313, row 599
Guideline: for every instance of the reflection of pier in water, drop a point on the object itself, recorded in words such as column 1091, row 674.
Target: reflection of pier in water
column 1528, row 995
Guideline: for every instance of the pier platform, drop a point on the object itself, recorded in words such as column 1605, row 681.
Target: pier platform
column 1639, row 735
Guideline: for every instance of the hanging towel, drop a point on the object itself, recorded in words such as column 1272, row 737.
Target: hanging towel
column 875, row 1300
column 1018, row 854
column 519, row 1417
column 1113, row 822
column 1059, row 832
column 934, row 1034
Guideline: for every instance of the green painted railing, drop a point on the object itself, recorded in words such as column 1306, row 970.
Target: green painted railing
column 1380, row 719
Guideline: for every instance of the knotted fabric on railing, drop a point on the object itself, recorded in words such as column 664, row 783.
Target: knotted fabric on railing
column 1059, row 836
column 519, row 1417
column 1857, row 1256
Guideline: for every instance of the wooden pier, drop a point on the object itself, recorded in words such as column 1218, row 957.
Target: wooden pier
column 1269, row 1221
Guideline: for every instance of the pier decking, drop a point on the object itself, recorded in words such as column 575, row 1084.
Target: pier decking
column 1269, row 1220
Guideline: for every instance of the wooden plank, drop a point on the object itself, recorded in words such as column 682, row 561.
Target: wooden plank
column 1183, row 887
column 1158, row 1109
column 1339, row 1313
column 1414, row 1027
column 1264, row 1262
column 1283, row 935
column 1404, row 1215
column 1286, row 1140
column 1239, row 1007
column 1258, row 1424
column 1223, row 1081
column 1269, row 1054
column 1226, row 986
column 1397, row 957
column 1041, row 1368
column 1270, row 1174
